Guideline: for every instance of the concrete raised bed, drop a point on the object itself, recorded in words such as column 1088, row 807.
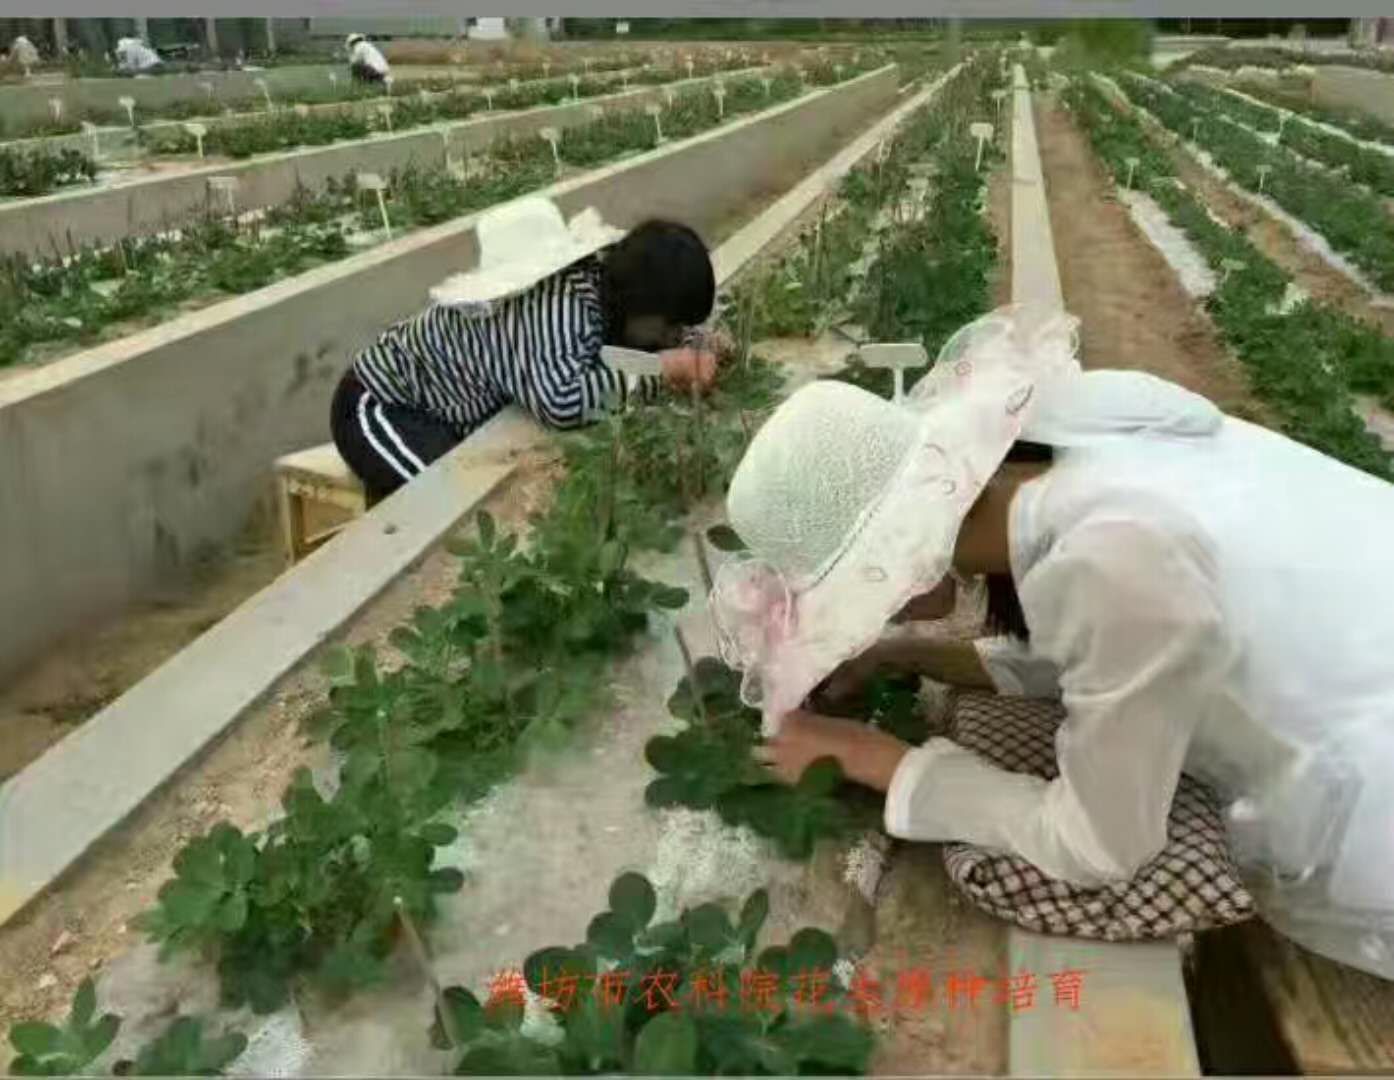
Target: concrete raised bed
column 163, row 200
column 122, row 463
column 1139, row 1022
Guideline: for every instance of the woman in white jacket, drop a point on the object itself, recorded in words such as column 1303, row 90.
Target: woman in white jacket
column 1205, row 594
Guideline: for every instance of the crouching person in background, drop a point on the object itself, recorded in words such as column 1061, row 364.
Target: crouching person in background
column 527, row 328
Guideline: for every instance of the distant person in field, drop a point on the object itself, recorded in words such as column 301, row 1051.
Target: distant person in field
column 22, row 53
column 366, row 62
column 135, row 57
column 527, row 328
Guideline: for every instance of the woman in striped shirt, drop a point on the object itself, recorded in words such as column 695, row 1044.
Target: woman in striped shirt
column 526, row 328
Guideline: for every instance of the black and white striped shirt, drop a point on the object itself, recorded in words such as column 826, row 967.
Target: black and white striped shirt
column 540, row 349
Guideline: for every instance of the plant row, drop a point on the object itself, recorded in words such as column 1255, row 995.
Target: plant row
column 286, row 129
column 1364, row 165
column 349, row 92
column 1354, row 222
column 32, row 170
column 72, row 297
column 1357, row 124
column 38, row 171
column 1306, row 359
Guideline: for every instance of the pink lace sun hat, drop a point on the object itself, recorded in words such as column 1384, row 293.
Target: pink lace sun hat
column 850, row 505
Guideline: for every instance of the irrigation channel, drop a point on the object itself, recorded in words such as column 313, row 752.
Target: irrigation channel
column 506, row 819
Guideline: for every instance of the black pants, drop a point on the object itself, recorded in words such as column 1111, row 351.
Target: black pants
column 385, row 445
column 362, row 73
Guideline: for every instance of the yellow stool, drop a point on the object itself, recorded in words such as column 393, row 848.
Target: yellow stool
column 311, row 479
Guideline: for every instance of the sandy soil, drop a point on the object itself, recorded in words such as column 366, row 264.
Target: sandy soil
column 1134, row 311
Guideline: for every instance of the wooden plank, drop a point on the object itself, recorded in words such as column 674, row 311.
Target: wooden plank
column 1334, row 1018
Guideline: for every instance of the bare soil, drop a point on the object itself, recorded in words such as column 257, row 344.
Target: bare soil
column 1133, row 310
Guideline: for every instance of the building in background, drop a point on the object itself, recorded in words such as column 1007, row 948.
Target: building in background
column 1372, row 33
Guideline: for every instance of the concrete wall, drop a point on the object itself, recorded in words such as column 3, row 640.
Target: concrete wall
column 121, row 464
column 161, row 201
column 1358, row 88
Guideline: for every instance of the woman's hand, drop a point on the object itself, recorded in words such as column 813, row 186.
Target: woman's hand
column 866, row 754
column 683, row 368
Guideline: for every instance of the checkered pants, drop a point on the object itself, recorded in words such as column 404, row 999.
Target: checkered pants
column 1191, row 885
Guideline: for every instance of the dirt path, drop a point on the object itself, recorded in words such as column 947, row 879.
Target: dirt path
column 1310, row 272
column 1134, row 312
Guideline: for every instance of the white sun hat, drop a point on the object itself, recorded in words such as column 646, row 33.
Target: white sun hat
column 850, row 505
column 520, row 243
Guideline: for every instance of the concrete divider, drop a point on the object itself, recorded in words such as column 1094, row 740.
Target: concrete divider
column 122, row 464
column 1137, row 1021
column 53, row 811
column 84, row 215
column 1371, row 92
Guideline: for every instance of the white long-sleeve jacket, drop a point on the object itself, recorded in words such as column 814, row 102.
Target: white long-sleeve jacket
column 1221, row 604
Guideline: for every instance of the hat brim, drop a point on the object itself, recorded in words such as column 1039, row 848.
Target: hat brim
column 905, row 546
column 518, row 275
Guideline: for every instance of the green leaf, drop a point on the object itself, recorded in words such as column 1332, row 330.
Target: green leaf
column 822, row 777
column 724, row 538
column 508, row 1055
column 439, row 835
column 632, row 899
column 466, row 1015
column 337, row 665
column 664, row 753
column 554, row 962
column 35, row 1038
column 669, row 597
column 101, row 1035
column 610, row 558
column 487, row 530
column 594, row 1035
column 446, row 879
column 232, row 913
column 666, row 791
column 611, row 935
column 834, row 1043
column 811, row 950
column 667, row 1046
column 753, row 914
column 709, row 927
column 671, row 936
column 84, row 1004
column 776, row 961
